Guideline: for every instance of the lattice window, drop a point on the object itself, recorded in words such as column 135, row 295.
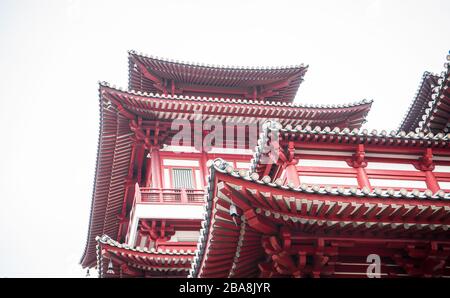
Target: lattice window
column 182, row 178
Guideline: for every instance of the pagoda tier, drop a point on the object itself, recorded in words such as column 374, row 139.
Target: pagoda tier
column 260, row 228
column 156, row 107
column 157, row 75
column 360, row 158
column 353, row 158
column 330, row 193
column 430, row 110
column 120, row 260
column 135, row 126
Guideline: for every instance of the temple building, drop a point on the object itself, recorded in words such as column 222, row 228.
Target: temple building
column 213, row 171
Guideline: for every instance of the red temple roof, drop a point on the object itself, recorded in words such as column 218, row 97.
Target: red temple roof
column 430, row 110
column 237, row 247
column 158, row 75
column 437, row 116
column 141, row 262
column 118, row 107
column 420, row 102
column 113, row 157
column 161, row 107
column 274, row 218
column 342, row 137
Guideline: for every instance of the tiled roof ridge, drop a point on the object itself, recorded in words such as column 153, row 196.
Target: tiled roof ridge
column 105, row 239
column 273, row 125
column 222, row 166
column 425, row 76
column 437, row 94
column 237, row 100
column 230, row 67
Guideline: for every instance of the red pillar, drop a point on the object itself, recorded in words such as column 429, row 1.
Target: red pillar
column 204, row 168
column 292, row 174
column 363, row 180
column 431, row 181
column 156, row 168
column 139, row 161
column 148, row 175
column 426, row 165
column 359, row 162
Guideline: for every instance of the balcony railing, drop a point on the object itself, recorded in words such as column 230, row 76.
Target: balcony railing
column 169, row 195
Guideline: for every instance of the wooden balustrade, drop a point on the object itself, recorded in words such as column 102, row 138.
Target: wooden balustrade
column 171, row 195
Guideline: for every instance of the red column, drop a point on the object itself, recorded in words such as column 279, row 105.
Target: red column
column 431, row 181
column 183, row 195
column 363, row 180
column 204, row 168
column 426, row 165
column 359, row 162
column 292, row 174
column 139, row 161
column 148, row 175
column 156, row 168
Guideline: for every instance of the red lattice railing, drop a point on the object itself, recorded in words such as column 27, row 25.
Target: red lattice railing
column 169, row 195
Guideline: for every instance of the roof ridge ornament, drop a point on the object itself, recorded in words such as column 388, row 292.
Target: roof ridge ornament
column 358, row 159
column 328, row 190
column 209, row 65
column 425, row 162
column 272, row 125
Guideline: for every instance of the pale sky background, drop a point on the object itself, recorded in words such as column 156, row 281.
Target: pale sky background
column 53, row 53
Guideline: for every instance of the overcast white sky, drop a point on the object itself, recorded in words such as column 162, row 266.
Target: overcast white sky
column 53, row 53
